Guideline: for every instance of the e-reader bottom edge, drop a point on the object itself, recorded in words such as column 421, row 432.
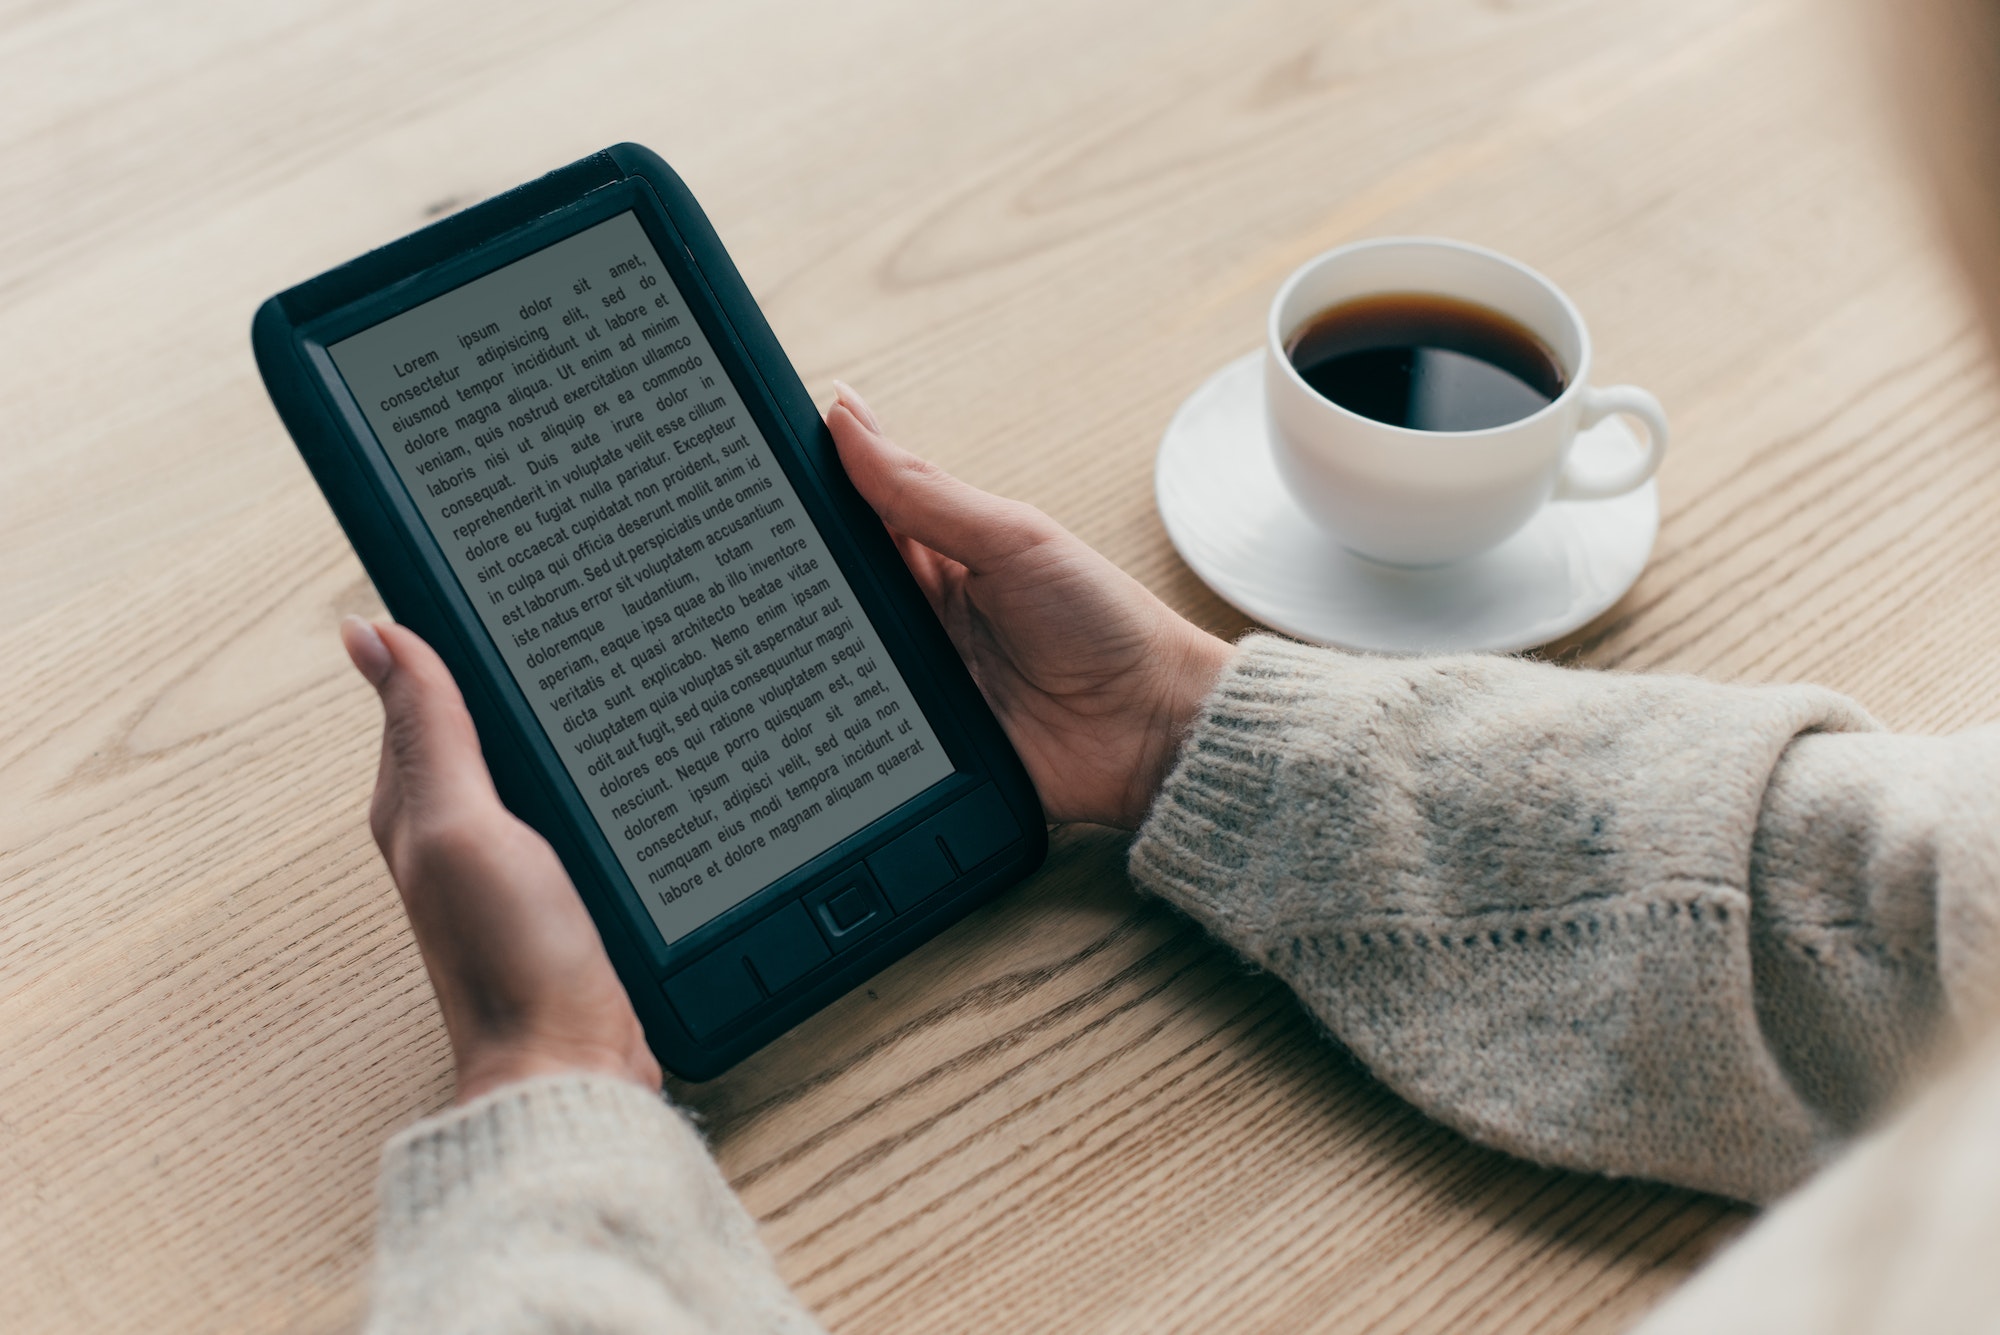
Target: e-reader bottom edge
column 766, row 978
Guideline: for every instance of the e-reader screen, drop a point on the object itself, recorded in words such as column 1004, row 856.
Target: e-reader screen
column 645, row 568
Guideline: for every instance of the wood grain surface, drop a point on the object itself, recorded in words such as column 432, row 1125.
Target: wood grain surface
column 1026, row 231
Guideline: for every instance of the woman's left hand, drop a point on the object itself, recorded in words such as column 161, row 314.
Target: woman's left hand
column 520, row 973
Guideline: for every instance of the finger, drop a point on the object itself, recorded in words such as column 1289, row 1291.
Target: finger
column 430, row 750
column 857, row 405
column 925, row 565
column 365, row 649
column 917, row 498
column 371, row 658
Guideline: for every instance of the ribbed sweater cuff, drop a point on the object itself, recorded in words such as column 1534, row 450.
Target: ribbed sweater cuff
column 1209, row 821
column 544, row 1125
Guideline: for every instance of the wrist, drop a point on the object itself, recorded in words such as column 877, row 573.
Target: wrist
column 1190, row 675
column 493, row 1067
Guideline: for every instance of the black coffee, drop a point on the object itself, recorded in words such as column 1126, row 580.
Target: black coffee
column 1426, row 362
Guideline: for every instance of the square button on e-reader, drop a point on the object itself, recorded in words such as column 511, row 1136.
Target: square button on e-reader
column 848, row 910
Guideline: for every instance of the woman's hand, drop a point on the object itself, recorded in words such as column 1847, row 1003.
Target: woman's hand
column 1094, row 679
column 518, row 968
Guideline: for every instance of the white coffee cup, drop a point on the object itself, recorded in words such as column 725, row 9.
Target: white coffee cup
column 1424, row 498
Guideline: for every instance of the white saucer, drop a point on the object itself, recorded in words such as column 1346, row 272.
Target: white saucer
column 1237, row 526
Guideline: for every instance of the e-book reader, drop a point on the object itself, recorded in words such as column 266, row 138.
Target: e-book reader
column 571, row 455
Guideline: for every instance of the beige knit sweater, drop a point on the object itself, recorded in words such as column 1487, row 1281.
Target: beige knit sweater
column 1637, row 925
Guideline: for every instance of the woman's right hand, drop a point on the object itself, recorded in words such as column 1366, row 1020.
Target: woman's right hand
column 1094, row 679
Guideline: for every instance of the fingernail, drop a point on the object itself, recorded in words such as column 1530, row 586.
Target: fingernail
column 851, row 396
column 365, row 649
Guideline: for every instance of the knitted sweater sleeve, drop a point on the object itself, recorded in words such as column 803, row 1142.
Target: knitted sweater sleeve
column 568, row 1204
column 1639, row 925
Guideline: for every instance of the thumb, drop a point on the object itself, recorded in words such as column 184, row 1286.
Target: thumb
column 430, row 750
column 920, row 500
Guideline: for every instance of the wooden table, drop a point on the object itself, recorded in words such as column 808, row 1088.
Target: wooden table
column 1026, row 230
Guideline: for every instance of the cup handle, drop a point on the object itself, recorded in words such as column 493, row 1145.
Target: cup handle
column 1599, row 404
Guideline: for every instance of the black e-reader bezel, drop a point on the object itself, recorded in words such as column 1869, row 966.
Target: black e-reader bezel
column 900, row 880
